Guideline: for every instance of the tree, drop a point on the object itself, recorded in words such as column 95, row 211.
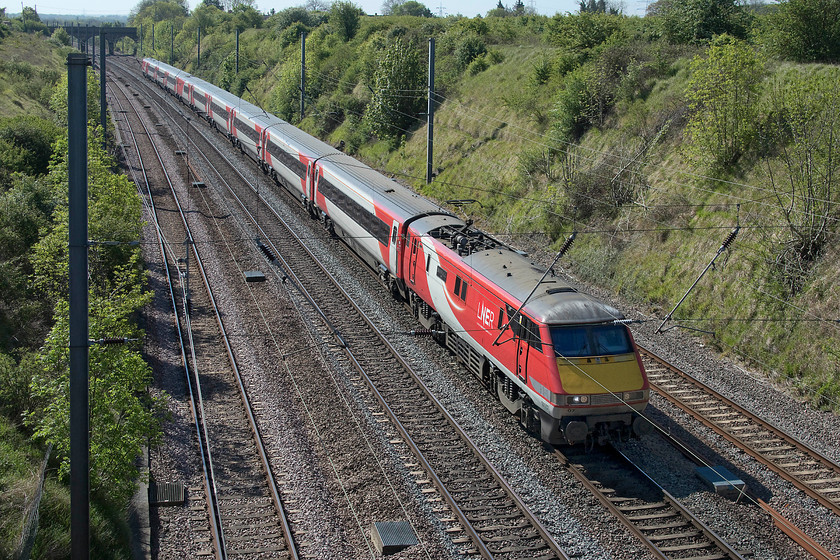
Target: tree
column 26, row 144
column 317, row 5
column 803, row 124
column 723, row 100
column 123, row 416
column 397, row 92
column 582, row 32
column 499, row 11
column 297, row 14
column 159, row 10
column 411, row 8
column 698, row 21
column 598, row 7
column 344, row 19
column 806, row 30
column 61, row 36
column 246, row 17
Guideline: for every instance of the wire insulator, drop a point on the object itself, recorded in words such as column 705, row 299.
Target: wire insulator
column 428, row 333
column 730, row 238
column 568, row 244
column 110, row 341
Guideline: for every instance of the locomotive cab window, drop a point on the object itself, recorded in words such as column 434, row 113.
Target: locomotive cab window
column 524, row 328
column 394, row 236
column 596, row 340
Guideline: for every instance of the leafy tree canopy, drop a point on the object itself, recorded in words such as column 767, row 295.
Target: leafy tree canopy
column 397, row 96
column 411, row 8
column 26, row 144
column 806, row 30
column 344, row 18
column 160, row 10
column 583, row 31
column 698, row 21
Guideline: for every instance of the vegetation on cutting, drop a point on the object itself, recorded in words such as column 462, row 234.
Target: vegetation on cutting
column 34, row 349
column 652, row 136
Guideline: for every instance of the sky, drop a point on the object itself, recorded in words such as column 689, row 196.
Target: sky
column 469, row 8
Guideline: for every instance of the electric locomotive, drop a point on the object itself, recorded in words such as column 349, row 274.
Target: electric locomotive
column 562, row 361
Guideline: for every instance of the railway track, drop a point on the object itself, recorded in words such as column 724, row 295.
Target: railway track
column 243, row 507
column 487, row 516
column 667, row 528
column 786, row 456
column 678, row 533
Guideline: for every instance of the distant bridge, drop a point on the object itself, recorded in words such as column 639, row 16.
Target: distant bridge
column 82, row 34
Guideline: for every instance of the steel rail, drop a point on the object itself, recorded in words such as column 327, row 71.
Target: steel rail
column 213, row 501
column 466, row 524
column 263, row 455
column 763, row 457
column 726, row 551
column 206, row 468
column 808, row 543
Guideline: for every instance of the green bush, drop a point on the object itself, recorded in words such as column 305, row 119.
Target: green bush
column 805, row 31
column 478, row 65
column 469, row 48
column 61, row 36
column 699, row 21
column 723, row 99
column 26, row 144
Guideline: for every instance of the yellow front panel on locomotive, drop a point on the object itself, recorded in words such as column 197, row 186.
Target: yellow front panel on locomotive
column 600, row 374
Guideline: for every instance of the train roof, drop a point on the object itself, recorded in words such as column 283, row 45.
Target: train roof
column 554, row 302
column 216, row 92
column 377, row 187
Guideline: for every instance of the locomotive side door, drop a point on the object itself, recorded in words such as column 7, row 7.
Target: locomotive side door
column 521, row 331
column 522, row 348
column 313, row 177
column 412, row 265
column 392, row 249
column 263, row 149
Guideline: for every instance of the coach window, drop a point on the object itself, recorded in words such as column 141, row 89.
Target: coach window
column 394, row 236
column 460, row 289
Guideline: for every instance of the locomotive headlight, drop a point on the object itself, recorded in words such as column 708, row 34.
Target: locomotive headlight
column 578, row 399
column 633, row 395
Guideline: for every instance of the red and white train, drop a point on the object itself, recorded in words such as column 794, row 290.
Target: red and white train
column 560, row 360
